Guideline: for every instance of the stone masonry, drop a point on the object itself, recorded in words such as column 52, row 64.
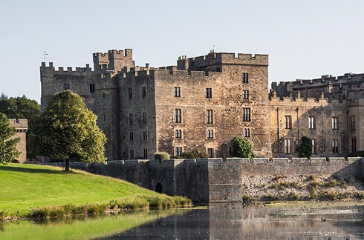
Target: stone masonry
column 204, row 102
column 21, row 126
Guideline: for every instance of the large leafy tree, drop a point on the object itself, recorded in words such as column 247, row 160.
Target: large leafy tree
column 22, row 108
column 242, row 148
column 67, row 130
column 8, row 149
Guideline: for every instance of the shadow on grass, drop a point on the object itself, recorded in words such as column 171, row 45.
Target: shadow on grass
column 33, row 170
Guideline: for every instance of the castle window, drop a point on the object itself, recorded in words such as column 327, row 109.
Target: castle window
column 334, row 123
column 210, row 134
column 208, row 92
column 210, row 116
column 335, row 148
column 177, row 91
column 178, row 151
column 144, row 92
column 131, row 120
column 245, row 94
column 145, row 136
column 313, row 150
column 353, row 145
column 288, row 122
column 353, row 122
column 210, row 152
column 177, row 115
column 131, row 136
column 130, row 93
column 311, row 122
column 92, row 88
column 178, row 133
column 246, row 114
column 246, row 132
column 245, row 77
column 145, row 152
column 104, row 117
column 144, row 117
column 103, row 95
column 131, row 154
column 66, row 86
column 287, row 146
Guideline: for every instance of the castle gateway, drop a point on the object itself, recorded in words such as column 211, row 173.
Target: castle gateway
column 204, row 102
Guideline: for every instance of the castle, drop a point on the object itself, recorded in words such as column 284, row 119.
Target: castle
column 204, row 102
column 21, row 127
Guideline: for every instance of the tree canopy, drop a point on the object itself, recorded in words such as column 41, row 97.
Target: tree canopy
column 242, row 148
column 8, row 149
column 22, row 108
column 67, row 130
column 305, row 149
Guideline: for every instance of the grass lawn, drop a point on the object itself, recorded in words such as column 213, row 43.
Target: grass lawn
column 26, row 187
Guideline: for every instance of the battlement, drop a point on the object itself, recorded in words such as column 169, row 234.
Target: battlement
column 19, row 123
column 68, row 70
column 220, row 59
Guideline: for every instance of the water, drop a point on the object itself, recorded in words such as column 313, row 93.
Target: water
column 232, row 222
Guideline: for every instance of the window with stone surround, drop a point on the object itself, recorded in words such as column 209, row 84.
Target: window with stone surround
column 247, row 132
column 245, row 77
column 287, row 146
column 92, row 88
column 245, row 94
column 145, row 153
column 288, row 121
column 178, row 151
column 208, row 92
column 144, row 92
column 131, row 154
column 177, row 115
column 313, row 151
column 130, row 93
column 210, row 152
column 131, row 136
column 353, row 122
column 246, row 114
column 177, row 91
column 334, row 123
column 210, row 116
column 335, row 147
column 145, row 135
column 131, row 119
column 144, row 117
column 353, row 144
column 210, row 134
column 178, row 133
column 311, row 122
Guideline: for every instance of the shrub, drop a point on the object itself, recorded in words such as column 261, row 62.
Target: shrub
column 40, row 213
column 2, row 216
column 305, row 149
column 68, row 209
column 246, row 198
column 196, row 153
column 79, row 210
column 56, row 213
column 161, row 156
column 96, row 209
column 242, row 148
column 311, row 178
column 331, row 183
column 292, row 196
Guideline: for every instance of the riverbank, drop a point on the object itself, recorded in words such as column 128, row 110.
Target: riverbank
column 34, row 190
column 301, row 187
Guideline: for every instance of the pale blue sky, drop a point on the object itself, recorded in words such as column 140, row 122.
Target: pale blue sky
column 304, row 39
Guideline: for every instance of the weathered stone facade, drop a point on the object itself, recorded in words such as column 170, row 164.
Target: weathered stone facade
column 21, row 126
column 204, row 102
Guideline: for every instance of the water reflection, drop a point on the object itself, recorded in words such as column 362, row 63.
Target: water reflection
column 232, row 222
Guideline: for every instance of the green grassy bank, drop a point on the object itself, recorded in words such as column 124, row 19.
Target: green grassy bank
column 25, row 188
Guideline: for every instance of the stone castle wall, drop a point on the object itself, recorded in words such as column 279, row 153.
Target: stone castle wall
column 21, row 126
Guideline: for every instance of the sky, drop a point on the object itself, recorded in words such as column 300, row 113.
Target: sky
column 304, row 39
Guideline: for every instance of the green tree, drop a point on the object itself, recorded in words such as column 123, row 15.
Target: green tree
column 8, row 149
column 67, row 130
column 242, row 148
column 23, row 108
column 305, row 149
column 196, row 153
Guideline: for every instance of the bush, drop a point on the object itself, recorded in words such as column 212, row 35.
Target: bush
column 56, row 213
column 242, row 148
column 305, row 149
column 196, row 153
column 161, row 156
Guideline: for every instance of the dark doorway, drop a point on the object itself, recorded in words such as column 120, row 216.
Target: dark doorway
column 158, row 188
